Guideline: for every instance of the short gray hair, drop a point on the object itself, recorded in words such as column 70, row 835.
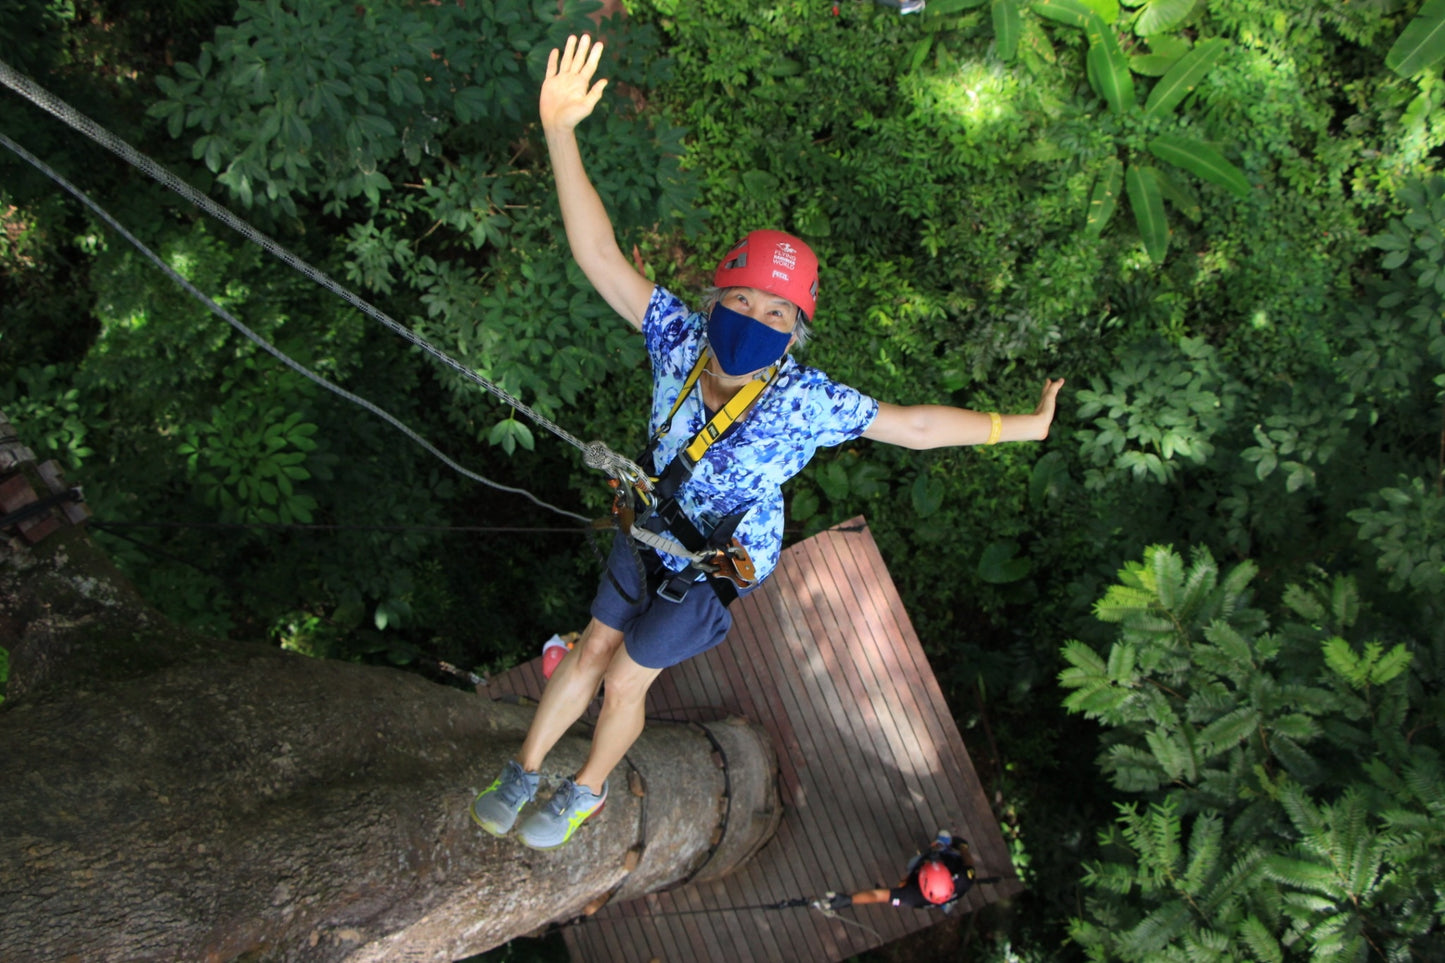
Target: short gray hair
column 801, row 329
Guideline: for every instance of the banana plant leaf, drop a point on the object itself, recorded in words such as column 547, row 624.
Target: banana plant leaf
column 1148, row 207
column 1105, row 198
column 1421, row 45
column 1071, row 12
column 1108, row 67
column 1182, row 78
column 1200, row 159
column 1007, row 25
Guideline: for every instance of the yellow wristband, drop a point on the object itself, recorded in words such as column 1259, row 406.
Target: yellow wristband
column 995, row 429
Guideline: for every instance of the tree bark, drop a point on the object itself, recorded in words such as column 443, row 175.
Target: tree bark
column 166, row 797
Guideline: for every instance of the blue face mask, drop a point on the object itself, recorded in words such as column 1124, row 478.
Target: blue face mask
column 742, row 344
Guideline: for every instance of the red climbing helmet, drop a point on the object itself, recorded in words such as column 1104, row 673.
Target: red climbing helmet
column 935, row 881
column 774, row 262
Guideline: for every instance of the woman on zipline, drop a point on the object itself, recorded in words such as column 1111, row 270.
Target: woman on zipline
column 723, row 372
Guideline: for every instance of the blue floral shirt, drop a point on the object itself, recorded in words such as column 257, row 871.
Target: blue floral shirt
column 800, row 412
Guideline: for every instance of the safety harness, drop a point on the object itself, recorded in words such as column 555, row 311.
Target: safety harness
column 649, row 512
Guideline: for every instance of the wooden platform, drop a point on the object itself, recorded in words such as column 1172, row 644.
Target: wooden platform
column 871, row 765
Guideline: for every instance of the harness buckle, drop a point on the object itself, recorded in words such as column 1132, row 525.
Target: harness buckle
column 675, row 588
column 732, row 563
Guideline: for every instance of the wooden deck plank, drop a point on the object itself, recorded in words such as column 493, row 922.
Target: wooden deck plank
column 843, row 687
column 834, row 762
column 989, row 847
column 922, row 700
column 891, row 683
column 795, row 855
column 870, row 762
column 821, row 746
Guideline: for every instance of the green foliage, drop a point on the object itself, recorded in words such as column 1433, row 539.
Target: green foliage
column 32, row 33
column 1258, row 377
column 1406, row 526
column 1160, row 410
column 44, row 401
column 4, row 671
column 1421, row 45
column 1263, row 753
column 247, row 461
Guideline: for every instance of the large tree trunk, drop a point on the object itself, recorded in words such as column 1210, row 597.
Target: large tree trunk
column 164, row 797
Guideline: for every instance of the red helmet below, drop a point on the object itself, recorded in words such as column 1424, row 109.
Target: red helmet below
column 774, row 262
column 935, row 881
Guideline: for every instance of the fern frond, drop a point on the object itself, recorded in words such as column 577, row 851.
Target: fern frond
column 1121, row 664
column 1261, row 942
column 1390, row 665
column 1156, row 931
column 1231, row 644
column 1234, row 589
column 1175, row 755
column 1083, row 658
column 1229, row 730
column 1424, row 778
column 1241, row 880
column 1296, row 726
column 1198, row 586
column 1344, row 602
column 1300, row 764
column 1205, row 845
column 1341, row 658
column 1210, row 700
column 1132, row 769
column 1306, row 818
column 1304, row 875
column 1304, row 603
column 1110, row 877
column 1099, row 701
column 1167, row 570
column 1122, row 601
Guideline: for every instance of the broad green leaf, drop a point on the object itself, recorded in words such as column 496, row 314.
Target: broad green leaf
column 1072, row 12
column 1000, row 563
column 759, row 183
column 1105, row 197
column 1151, row 64
column 1183, row 198
column 1107, row 10
column 1006, row 28
column 1201, row 160
column 832, row 477
column 1148, row 207
column 927, row 495
column 1183, row 77
column 1048, row 478
column 1162, row 16
column 1421, row 45
column 919, row 53
column 1108, row 66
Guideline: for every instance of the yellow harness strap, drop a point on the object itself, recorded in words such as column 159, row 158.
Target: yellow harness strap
column 720, row 422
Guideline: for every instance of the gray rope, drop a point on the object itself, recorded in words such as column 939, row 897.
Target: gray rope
column 262, row 342
column 596, row 454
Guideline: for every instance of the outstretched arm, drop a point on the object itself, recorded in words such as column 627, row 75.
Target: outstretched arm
column 939, row 426
column 568, row 97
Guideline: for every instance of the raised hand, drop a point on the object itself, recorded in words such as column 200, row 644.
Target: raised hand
column 1047, row 401
column 568, row 94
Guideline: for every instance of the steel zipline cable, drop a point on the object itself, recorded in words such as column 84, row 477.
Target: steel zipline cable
column 595, row 454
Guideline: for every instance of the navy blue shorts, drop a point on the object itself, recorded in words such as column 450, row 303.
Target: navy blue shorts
column 657, row 633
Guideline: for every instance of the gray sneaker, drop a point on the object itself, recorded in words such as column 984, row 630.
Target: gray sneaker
column 495, row 808
column 556, row 820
